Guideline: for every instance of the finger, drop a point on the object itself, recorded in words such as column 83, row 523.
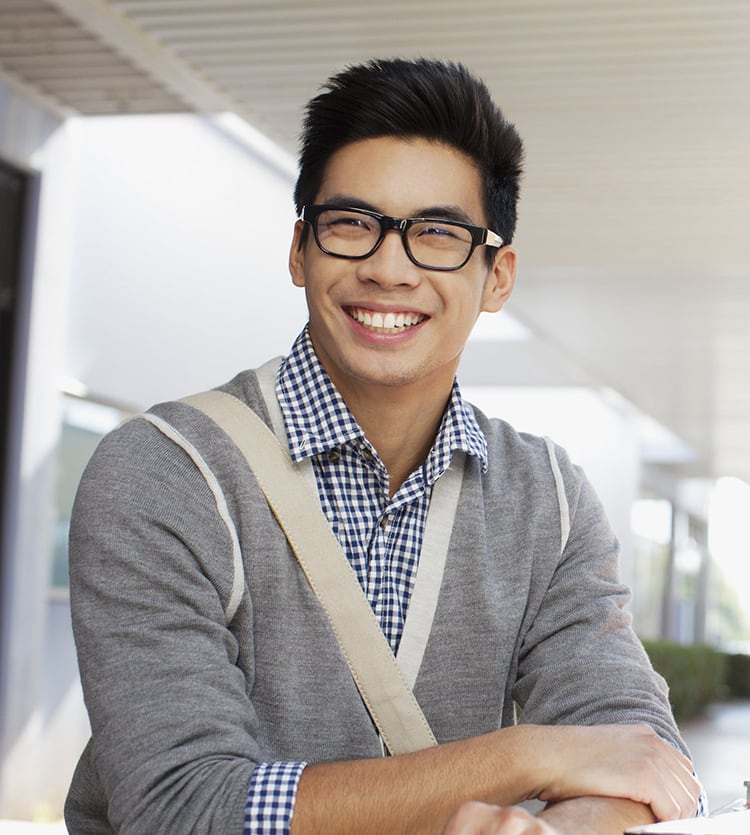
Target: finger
column 687, row 794
column 475, row 818
column 681, row 783
column 673, row 789
column 684, row 790
column 471, row 818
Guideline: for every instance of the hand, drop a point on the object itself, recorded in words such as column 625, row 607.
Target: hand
column 628, row 761
column 474, row 818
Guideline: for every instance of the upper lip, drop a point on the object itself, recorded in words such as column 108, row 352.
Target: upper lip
column 388, row 319
column 381, row 308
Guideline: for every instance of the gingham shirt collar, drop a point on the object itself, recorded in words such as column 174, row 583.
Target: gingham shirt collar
column 318, row 420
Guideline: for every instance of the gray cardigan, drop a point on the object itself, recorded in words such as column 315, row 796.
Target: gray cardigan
column 183, row 704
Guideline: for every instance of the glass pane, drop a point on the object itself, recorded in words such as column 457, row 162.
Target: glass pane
column 84, row 424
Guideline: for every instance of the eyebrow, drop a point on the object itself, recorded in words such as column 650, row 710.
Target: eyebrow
column 447, row 212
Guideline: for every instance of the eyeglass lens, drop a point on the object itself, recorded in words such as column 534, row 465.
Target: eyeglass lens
column 432, row 243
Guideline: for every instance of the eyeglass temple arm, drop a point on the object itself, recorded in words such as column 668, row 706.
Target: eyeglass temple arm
column 493, row 239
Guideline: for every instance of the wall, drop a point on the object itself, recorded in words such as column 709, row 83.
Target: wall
column 180, row 275
column 35, row 139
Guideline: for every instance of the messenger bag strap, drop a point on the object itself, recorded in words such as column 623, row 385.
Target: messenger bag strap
column 380, row 682
column 437, row 534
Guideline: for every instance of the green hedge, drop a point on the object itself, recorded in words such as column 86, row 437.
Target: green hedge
column 738, row 676
column 696, row 675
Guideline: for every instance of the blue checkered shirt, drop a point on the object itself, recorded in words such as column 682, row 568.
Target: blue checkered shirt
column 381, row 536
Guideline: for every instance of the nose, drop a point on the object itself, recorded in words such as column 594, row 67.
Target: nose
column 389, row 265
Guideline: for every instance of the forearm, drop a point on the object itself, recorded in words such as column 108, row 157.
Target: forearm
column 415, row 793
column 418, row 792
column 595, row 815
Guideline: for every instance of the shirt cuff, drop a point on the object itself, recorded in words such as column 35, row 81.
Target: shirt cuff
column 702, row 811
column 271, row 797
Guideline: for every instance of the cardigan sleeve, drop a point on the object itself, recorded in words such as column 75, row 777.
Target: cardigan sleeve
column 173, row 726
column 580, row 661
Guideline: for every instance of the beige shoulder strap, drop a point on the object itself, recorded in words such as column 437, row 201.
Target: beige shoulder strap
column 382, row 686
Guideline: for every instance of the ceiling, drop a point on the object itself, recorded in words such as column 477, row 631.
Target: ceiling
column 634, row 228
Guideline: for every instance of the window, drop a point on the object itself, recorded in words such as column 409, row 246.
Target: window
column 84, row 424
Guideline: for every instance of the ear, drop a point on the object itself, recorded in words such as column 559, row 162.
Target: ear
column 297, row 256
column 500, row 280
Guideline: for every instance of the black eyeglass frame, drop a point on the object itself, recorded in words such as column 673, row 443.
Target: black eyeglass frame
column 480, row 236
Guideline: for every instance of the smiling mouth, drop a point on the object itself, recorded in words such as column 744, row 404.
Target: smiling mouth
column 385, row 322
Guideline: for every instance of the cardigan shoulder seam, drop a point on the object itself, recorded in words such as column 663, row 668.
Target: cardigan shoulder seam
column 238, row 588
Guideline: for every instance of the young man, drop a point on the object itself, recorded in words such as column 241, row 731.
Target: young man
column 217, row 693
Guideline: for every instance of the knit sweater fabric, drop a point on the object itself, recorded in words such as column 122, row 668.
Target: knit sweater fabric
column 189, row 684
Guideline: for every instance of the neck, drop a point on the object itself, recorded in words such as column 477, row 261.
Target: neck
column 400, row 424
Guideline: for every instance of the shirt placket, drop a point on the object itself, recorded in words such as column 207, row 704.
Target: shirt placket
column 383, row 597
column 376, row 545
column 388, row 602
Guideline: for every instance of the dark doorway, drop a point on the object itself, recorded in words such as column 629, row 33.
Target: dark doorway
column 14, row 190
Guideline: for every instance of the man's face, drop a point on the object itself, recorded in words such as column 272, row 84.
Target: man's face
column 350, row 301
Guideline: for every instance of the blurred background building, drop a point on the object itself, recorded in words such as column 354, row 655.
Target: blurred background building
column 146, row 166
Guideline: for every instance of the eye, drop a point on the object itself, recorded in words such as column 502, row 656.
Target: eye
column 436, row 230
column 347, row 220
column 440, row 231
column 348, row 223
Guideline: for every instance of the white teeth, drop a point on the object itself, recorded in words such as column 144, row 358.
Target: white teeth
column 390, row 322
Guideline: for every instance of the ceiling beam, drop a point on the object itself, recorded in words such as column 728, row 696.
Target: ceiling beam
column 179, row 77
column 147, row 54
column 35, row 94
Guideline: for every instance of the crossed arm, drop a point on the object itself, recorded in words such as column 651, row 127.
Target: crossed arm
column 597, row 779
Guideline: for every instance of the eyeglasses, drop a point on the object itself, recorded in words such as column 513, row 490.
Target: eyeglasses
column 431, row 243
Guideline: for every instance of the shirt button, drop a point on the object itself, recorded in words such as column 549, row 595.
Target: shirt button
column 334, row 456
column 367, row 454
column 385, row 520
